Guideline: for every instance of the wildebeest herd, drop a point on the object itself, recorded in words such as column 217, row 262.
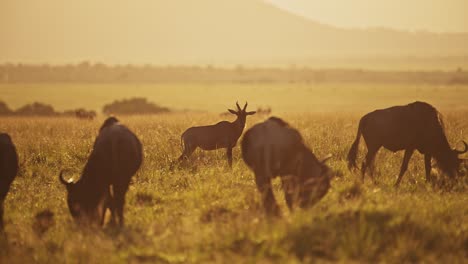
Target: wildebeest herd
column 270, row 148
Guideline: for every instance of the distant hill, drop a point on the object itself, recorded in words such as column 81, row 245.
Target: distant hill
column 207, row 32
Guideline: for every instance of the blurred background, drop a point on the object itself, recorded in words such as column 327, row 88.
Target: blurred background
column 203, row 55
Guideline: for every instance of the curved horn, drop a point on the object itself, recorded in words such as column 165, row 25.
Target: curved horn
column 238, row 107
column 462, row 151
column 245, row 106
column 329, row 156
column 63, row 181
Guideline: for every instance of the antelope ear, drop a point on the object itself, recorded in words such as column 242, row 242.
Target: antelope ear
column 324, row 160
column 232, row 111
column 251, row 112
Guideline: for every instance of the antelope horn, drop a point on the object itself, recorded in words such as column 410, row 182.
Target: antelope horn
column 63, row 181
column 245, row 106
column 238, row 107
column 462, row 151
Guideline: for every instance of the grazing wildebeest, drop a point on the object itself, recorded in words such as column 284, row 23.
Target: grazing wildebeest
column 83, row 114
column 416, row 126
column 264, row 111
column 8, row 169
column 274, row 148
column 115, row 158
column 221, row 135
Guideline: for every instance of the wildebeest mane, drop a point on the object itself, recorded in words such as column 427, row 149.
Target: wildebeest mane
column 280, row 121
column 430, row 109
column 109, row 121
column 442, row 148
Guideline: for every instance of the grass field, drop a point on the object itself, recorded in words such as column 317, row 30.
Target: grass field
column 206, row 213
column 216, row 97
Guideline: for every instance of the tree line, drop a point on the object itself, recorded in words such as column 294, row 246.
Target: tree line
column 132, row 106
column 101, row 73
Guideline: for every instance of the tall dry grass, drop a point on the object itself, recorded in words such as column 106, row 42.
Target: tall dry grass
column 204, row 212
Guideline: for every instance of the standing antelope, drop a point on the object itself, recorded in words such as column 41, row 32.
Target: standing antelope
column 221, row 135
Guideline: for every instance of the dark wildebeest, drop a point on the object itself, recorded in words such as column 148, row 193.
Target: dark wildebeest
column 274, row 148
column 83, row 114
column 115, row 158
column 8, row 169
column 221, row 135
column 264, row 111
column 416, row 126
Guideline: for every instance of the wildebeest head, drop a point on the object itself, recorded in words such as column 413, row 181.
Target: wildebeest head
column 5, row 138
column 241, row 113
column 315, row 176
column 73, row 203
column 109, row 121
column 451, row 163
column 80, row 209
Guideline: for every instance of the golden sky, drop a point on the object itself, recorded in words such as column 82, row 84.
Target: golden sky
column 431, row 15
column 223, row 31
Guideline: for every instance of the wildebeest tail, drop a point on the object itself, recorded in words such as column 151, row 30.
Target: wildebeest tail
column 1, row 216
column 182, row 141
column 352, row 154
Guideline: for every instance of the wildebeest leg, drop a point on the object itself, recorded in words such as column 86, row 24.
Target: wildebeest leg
column 229, row 156
column 113, row 220
column 119, row 208
column 264, row 186
column 369, row 162
column 111, row 205
column 427, row 165
column 188, row 150
column 289, row 190
column 119, row 202
column 404, row 165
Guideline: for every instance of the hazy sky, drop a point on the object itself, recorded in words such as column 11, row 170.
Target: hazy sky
column 432, row 15
column 223, row 31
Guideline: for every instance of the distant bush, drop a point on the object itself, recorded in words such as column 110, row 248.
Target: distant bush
column 133, row 106
column 36, row 109
column 80, row 113
column 69, row 113
column 4, row 109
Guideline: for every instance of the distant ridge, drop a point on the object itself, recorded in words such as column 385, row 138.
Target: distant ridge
column 208, row 32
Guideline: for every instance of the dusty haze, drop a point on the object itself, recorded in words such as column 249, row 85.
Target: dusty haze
column 426, row 15
column 208, row 32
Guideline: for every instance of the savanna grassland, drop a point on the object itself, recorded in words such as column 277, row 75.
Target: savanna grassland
column 216, row 97
column 203, row 212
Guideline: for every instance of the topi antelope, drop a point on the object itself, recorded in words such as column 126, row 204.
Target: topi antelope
column 221, row 135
